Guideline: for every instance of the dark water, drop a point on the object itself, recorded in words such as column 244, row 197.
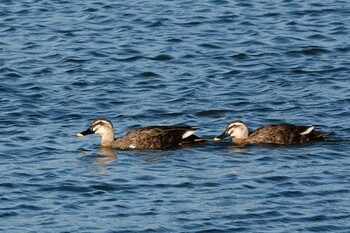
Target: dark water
column 202, row 63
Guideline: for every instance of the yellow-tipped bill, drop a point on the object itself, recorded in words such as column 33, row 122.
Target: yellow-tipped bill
column 217, row 139
column 86, row 132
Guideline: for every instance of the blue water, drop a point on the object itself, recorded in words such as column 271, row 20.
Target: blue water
column 201, row 63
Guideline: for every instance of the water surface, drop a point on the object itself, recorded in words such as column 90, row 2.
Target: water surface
column 140, row 63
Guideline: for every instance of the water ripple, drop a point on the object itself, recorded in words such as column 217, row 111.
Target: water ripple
column 173, row 62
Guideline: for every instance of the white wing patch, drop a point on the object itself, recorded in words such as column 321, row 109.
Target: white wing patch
column 132, row 146
column 309, row 130
column 187, row 134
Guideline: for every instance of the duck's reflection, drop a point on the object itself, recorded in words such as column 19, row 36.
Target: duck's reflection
column 154, row 159
column 239, row 149
column 108, row 156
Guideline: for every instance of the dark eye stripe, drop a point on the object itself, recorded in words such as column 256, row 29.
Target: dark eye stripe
column 233, row 125
column 95, row 127
column 99, row 123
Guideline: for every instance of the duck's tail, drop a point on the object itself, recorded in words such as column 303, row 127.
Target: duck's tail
column 321, row 135
column 315, row 134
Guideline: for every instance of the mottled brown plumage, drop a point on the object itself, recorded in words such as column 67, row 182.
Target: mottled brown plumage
column 147, row 138
column 283, row 134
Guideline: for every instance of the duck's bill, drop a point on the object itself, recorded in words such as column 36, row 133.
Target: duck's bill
column 86, row 132
column 222, row 136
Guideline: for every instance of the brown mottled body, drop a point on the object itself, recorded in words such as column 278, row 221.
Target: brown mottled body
column 153, row 138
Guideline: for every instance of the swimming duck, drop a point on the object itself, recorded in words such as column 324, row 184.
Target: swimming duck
column 147, row 138
column 283, row 134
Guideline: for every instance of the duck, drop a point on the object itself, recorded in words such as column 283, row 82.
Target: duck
column 282, row 134
column 146, row 138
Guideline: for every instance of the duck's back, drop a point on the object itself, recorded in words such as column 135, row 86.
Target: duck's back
column 283, row 134
column 155, row 137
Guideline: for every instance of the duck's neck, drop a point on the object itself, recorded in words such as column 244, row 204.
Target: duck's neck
column 239, row 140
column 107, row 138
column 241, row 135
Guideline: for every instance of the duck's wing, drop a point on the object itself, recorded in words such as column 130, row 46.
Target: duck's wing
column 158, row 137
column 285, row 134
column 280, row 134
column 164, row 131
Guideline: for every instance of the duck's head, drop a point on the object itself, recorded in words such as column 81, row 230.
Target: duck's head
column 236, row 129
column 103, row 127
